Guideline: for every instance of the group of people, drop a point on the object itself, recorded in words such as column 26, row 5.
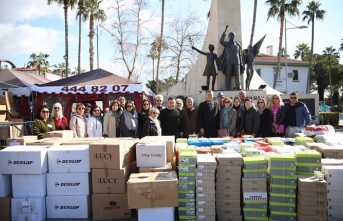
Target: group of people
column 237, row 117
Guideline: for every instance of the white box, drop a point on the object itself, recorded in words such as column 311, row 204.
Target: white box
column 68, row 184
column 151, row 154
column 24, row 160
column 76, row 207
column 5, row 185
column 32, row 185
column 32, row 209
column 69, row 159
column 162, row 214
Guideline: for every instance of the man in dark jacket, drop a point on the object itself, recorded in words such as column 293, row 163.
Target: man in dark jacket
column 189, row 116
column 250, row 119
column 297, row 113
column 209, row 116
column 170, row 118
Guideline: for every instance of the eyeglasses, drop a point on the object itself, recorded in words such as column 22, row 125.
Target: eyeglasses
column 158, row 100
column 80, row 108
column 155, row 113
column 145, row 104
column 226, row 102
column 178, row 103
column 128, row 106
column 275, row 98
column 56, row 108
column 260, row 102
column 44, row 112
column 96, row 110
column 293, row 97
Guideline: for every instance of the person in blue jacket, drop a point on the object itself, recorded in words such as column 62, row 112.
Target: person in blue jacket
column 297, row 113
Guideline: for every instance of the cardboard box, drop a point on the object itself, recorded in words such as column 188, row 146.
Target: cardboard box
column 166, row 168
column 69, row 159
column 69, row 184
column 32, row 185
column 55, row 141
column 110, row 206
column 11, row 130
column 229, row 170
column 5, row 208
column 24, row 160
column 21, row 140
column 163, row 214
column 24, row 208
column 152, row 190
column 232, row 159
column 76, row 207
column 151, row 154
column 111, row 156
column 170, row 143
column 5, row 185
column 109, row 181
column 65, row 134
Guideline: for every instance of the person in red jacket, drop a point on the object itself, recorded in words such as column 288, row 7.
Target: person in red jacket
column 61, row 122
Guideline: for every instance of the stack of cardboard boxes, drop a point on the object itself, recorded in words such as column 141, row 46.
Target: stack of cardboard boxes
column 283, row 183
column 254, row 185
column 334, row 179
column 228, row 186
column 205, row 187
column 28, row 166
column 312, row 199
column 68, row 182
column 186, row 188
column 307, row 162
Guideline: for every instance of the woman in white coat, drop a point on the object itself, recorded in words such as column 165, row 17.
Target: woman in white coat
column 94, row 124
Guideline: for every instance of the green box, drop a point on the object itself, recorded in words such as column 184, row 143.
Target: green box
column 309, row 167
column 255, row 212
column 186, row 194
column 186, row 185
column 283, row 180
column 186, row 176
column 284, row 189
column 276, row 215
column 282, row 198
column 187, row 211
column 260, row 173
column 282, row 207
column 281, row 160
column 187, row 168
column 187, row 203
column 187, row 218
column 282, row 171
column 255, row 205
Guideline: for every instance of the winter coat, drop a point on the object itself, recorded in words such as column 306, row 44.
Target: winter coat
column 110, row 124
column 94, row 127
column 40, row 126
column 78, row 125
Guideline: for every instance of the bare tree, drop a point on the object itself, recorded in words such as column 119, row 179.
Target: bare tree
column 180, row 55
column 126, row 27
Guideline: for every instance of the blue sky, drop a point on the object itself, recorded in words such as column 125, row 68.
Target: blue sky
column 33, row 26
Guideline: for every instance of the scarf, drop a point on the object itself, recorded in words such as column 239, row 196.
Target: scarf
column 158, row 126
column 226, row 122
column 275, row 109
column 131, row 120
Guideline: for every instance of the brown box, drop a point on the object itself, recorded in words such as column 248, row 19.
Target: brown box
column 21, row 140
column 311, row 183
column 65, row 134
column 106, row 155
column 310, row 218
column 224, row 217
column 228, row 186
column 56, row 141
column 81, row 141
column 109, row 181
column 228, row 212
column 223, row 170
column 312, row 201
column 166, row 168
column 151, row 190
column 5, row 208
column 110, row 206
column 234, row 159
column 311, row 211
column 228, row 203
column 232, row 195
column 170, row 143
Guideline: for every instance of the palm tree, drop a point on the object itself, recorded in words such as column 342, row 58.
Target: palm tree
column 312, row 12
column 253, row 22
column 330, row 55
column 159, row 49
column 40, row 62
column 341, row 47
column 65, row 4
column 278, row 8
column 302, row 51
column 79, row 16
column 93, row 13
column 60, row 68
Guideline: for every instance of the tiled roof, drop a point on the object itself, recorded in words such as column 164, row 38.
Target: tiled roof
column 263, row 59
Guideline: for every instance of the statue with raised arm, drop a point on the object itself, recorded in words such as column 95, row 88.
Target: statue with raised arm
column 230, row 62
column 210, row 69
column 248, row 59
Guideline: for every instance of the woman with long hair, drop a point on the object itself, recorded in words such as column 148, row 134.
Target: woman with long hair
column 94, row 124
column 265, row 118
column 43, row 123
column 61, row 121
column 228, row 117
column 143, row 115
column 78, row 121
column 129, row 120
column 278, row 110
column 237, row 106
column 111, row 120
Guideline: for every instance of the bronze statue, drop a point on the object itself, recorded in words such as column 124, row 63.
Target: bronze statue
column 210, row 69
column 248, row 59
column 230, row 62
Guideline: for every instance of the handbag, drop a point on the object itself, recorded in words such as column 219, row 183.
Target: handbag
column 223, row 132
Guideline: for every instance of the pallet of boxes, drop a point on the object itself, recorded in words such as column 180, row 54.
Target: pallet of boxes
column 154, row 190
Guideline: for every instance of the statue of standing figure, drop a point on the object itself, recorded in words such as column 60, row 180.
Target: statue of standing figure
column 210, row 69
column 230, row 62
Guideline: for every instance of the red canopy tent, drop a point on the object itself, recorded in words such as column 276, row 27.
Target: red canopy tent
column 96, row 85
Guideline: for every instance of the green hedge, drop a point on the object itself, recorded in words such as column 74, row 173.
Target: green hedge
column 330, row 118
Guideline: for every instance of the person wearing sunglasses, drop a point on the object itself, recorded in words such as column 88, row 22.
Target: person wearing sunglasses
column 111, row 120
column 143, row 115
column 179, row 104
column 129, row 120
column 266, row 119
column 152, row 126
column 61, row 121
column 159, row 102
column 94, row 124
column 277, row 108
column 228, row 118
column 43, row 123
column 297, row 113
column 78, row 121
